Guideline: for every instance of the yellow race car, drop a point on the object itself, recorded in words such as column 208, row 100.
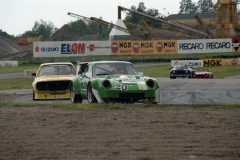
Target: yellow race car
column 52, row 80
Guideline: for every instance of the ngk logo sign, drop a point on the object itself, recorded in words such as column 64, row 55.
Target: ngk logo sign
column 220, row 62
column 213, row 62
column 114, row 47
column 136, row 47
column 147, row 45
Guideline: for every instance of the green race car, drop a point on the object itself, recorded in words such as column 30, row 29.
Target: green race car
column 112, row 81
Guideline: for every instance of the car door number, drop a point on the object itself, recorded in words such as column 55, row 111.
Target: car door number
column 121, row 87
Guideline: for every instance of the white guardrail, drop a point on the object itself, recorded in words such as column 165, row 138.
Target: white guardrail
column 8, row 63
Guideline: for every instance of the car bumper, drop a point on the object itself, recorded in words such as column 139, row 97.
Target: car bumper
column 203, row 76
column 102, row 94
column 180, row 75
column 46, row 94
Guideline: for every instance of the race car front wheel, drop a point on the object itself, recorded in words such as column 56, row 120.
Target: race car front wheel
column 75, row 98
column 90, row 96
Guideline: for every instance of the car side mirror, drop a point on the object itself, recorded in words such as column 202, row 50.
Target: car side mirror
column 140, row 74
column 34, row 74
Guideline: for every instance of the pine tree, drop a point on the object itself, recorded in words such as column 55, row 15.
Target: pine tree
column 187, row 6
column 205, row 6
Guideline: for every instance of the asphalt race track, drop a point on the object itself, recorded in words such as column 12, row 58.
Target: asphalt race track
column 172, row 91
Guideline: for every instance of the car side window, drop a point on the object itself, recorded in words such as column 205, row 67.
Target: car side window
column 88, row 71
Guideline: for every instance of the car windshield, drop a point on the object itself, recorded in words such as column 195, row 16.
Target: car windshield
column 57, row 69
column 182, row 66
column 113, row 68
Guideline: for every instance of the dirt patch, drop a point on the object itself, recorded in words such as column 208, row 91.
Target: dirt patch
column 132, row 133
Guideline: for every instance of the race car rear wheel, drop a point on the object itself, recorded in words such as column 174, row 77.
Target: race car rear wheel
column 34, row 96
column 75, row 98
column 90, row 96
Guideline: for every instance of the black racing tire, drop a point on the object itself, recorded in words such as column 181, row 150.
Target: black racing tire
column 172, row 77
column 90, row 96
column 34, row 96
column 193, row 73
column 75, row 98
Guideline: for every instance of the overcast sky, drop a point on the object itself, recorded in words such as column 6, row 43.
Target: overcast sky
column 18, row 16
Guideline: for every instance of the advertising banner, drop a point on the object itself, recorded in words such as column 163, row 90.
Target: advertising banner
column 193, row 63
column 71, row 48
column 144, row 47
column 235, row 44
column 204, row 46
column 220, row 62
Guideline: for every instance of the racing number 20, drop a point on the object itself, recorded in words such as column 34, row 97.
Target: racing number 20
column 121, row 87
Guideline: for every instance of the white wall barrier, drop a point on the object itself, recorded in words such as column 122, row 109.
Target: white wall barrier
column 93, row 48
column 8, row 63
column 71, row 48
column 205, row 46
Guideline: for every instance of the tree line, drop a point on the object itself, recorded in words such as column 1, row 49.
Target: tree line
column 202, row 6
column 47, row 29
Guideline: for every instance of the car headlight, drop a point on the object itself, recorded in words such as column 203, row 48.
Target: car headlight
column 106, row 83
column 173, row 71
column 150, row 83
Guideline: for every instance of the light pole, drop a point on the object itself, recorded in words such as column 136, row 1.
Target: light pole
column 164, row 12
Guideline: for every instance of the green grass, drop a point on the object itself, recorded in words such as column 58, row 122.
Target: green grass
column 219, row 72
column 105, row 107
column 20, row 68
column 79, row 106
column 30, row 63
column 152, row 71
column 155, row 71
column 225, row 71
column 31, row 60
column 16, row 83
